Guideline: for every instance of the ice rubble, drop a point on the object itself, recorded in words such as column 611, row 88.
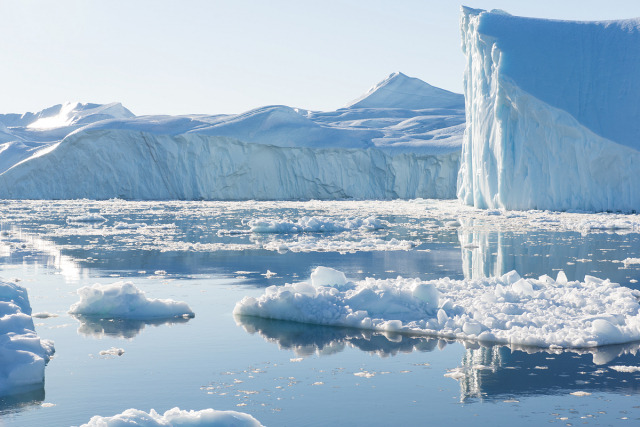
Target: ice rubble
column 507, row 310
column 22, row 352
column 315, row 224
column 123, row 300
column 402, row 140
column 551, row 113
column 175, row 416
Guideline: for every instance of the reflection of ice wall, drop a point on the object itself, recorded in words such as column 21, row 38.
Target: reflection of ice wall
column 491, row 253
column 551, row 113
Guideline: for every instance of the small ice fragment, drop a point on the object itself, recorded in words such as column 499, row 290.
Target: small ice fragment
column 580, row 393
column 113, row 351
column 44, row 315
column 269, row 274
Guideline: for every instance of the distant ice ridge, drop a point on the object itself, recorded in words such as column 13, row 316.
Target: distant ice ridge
column 175, row 417
column 122, row 300
column 552, row 113
column 508, row 310
column 22, row 353
column 401, row 140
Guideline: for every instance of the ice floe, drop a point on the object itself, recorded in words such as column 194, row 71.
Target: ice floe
column 511, row 310
column 177, row 417
column 22, row 352
column 123, row 300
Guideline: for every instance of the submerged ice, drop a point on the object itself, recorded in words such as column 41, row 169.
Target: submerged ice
column 509, row 309
column 551, row 113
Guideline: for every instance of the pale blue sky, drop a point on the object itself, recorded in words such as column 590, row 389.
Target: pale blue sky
column 179, row 57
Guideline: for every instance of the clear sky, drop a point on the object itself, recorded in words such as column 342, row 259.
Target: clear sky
column 209, row 56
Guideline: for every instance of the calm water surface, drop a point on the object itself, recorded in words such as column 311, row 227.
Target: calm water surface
column 292, row 374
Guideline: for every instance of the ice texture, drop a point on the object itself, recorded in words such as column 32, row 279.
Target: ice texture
column 551, row 113
column 123, row 300
column 401, row 141
column 22, row 352
column 177, row 417
column 507, row 310
column 315, row 224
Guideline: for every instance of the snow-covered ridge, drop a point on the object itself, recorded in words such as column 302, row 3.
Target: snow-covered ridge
column 22, row 352
column 404, row 145
column 552, row 113
column 507, row 310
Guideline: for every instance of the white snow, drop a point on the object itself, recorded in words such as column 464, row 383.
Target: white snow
column 509, row 309
column 175, row 417
column 22, row 352
column 552, row 113
column 401, row 145
column 123, row 300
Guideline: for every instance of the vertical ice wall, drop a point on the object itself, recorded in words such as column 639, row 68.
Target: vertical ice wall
column 553, row 118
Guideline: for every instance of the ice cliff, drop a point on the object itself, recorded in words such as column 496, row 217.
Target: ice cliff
column 400, row 140
column 552, row 113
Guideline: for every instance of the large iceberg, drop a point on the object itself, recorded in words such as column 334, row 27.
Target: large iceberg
column 552, row 113
column 400, row 140
column 23, row 354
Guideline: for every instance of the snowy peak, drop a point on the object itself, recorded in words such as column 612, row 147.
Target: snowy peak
column 401, row 91
column 75, row 113
column 67, row 114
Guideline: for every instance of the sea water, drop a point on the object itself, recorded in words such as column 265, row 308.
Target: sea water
column 282, row 373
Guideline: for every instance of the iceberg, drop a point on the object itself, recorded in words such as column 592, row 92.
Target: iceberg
column 177, row 417
column 552, row 113
column 401, row 140
column 23, row 355
column 123, row 300
column 543, row 312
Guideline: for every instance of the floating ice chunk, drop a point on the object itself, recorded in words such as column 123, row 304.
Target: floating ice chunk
column 177, row 417
column 529, row 312
column 623, row 368
column 629, row 261
column 22, row 352
column 125, row 301
column 325, row 276
column 86, row 218
column 113, row 351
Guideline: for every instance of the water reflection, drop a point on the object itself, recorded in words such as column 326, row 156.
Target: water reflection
column 489, row 253
column 499, row 372
column 485, row 372
column 20, row 401
column 120, row 328
column 307, row 339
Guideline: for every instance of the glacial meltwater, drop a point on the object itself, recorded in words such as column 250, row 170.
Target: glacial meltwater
column 211, row 255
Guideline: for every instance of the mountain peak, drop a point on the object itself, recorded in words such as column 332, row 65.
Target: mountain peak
column 401, row 91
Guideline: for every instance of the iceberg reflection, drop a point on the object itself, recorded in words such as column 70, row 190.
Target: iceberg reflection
column 307, row 339
column 490, row 372
column 502, row 372
column 21, row 400
column 119, row 328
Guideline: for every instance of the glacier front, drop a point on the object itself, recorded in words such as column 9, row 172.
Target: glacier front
column 401, row 139
column 552, row 113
